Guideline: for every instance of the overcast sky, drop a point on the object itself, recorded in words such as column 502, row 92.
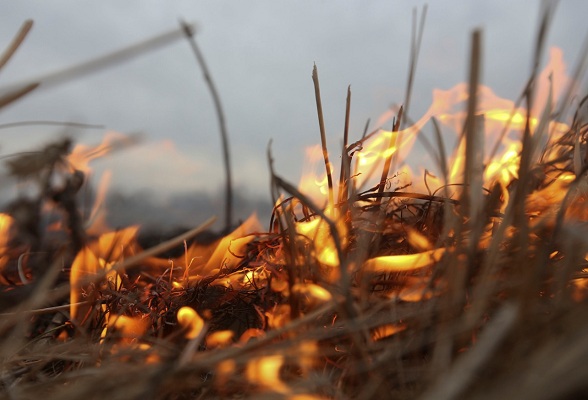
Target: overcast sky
column 260, row 54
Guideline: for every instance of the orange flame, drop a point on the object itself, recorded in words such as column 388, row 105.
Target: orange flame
column 219, row 339
column 387, row 330
column 319, row 233
column 6, row 223
column 225, row 254
column 190, row 321
column 265, row 372
column 129, row 328
column 97, row 257
column 447, row 108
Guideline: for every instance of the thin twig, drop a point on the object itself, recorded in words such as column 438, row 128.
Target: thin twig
column 50, row 123
column 96, row 64
column 290, row 250
column 473, row 171
column 47, row 310
column 415, row 48
column 16, row 93
column 16, row 42
column 188, row 31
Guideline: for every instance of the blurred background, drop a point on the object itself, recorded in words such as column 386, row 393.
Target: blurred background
column 260, row 54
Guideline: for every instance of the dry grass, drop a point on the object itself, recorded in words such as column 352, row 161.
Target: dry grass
column 496, row 309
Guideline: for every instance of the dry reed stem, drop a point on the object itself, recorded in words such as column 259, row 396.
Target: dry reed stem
column 96, row 64
column 344, row 176
column 189, row 32
column 16, row 42
column 15, row 94
column 465, row 370
column 319, row 110
column 473, row 170
column 67, row 124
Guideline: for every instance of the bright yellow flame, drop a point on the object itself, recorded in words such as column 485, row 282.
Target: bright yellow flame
column 406, row 262
column 189, row 319
column 112, row 245
column 447, row 107
column 418, row 240
column 319, row 232
column 505, row 169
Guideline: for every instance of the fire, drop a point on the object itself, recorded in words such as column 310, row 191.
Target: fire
column 226, row 254
column 321, row 256
column 265, row 372
column 219, row 339
column 129, row 328
column 6, row 222
column 406, row 262
column 388, row 330
column 446, row 108
column 228, row 251
column 190, row 321
column 320, row 236
column 327, row 238
column 99, row 257
column 82, row 155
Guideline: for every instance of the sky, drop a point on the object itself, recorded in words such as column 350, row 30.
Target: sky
column 260, row 54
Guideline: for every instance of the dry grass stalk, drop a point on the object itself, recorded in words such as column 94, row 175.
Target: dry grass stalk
column 189, row 31
column 319, row 110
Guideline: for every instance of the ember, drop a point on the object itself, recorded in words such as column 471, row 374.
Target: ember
column 469, row 283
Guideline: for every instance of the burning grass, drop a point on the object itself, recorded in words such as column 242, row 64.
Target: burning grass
column 473, row 286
